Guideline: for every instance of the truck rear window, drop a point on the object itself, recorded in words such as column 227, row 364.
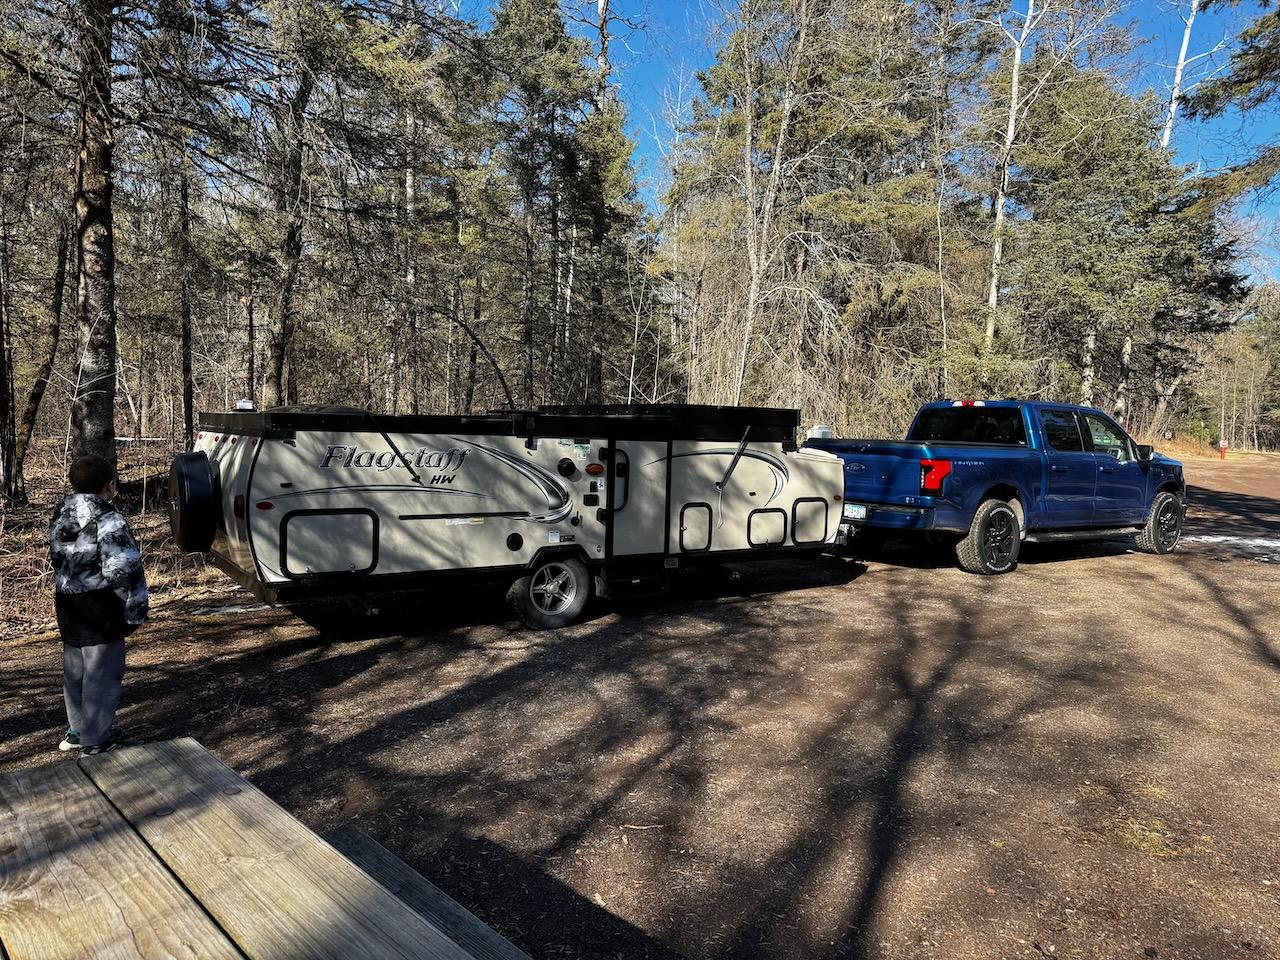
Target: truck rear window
column 1002, row 425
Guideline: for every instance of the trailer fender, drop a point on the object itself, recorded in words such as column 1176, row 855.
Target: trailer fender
column 561, row 550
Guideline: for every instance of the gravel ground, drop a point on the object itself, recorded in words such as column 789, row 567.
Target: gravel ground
column 833, row 759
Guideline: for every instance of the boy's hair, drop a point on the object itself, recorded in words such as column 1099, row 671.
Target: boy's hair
column 90, row 474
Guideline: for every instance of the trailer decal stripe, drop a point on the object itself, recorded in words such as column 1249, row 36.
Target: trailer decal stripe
column 780, row 473
column 558, row 498
column 383, row 488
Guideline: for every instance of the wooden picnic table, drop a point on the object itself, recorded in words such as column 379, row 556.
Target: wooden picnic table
column 161, row 851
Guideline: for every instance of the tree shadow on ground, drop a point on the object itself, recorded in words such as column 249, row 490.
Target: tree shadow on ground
column 733, row 776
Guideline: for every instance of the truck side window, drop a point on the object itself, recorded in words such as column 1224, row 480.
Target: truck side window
column 1106, row 439
column 1061, row 430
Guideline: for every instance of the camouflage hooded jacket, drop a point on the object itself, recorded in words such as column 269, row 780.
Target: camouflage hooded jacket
column 92, row 551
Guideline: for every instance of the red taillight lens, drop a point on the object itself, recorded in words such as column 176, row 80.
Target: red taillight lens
column 594, row 469
column 932, row 473
column 237, row 506
column 265, row 505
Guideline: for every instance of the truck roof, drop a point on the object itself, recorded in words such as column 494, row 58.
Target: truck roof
column 1011, row 402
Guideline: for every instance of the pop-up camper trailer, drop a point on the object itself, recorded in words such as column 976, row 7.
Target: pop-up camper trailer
column 299, row 502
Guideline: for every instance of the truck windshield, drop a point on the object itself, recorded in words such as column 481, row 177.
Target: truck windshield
column 1002, row 425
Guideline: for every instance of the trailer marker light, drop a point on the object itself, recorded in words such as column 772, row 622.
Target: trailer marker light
column 265, row 505
column 932, row 473
column 237, row 506
column 594, row 469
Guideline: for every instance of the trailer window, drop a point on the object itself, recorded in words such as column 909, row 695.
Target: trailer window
column 1000, row 425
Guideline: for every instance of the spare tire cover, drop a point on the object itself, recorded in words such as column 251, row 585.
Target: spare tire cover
column 193, row 502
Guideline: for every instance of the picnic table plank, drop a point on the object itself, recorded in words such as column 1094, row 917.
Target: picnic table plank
column 277, row 889
column 459, row 923
column 77, row 882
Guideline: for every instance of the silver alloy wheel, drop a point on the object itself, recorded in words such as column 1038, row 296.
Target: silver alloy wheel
column 553, row 588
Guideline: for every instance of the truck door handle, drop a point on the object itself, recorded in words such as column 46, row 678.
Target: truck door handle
column 1057, row 469
column 1106, row 470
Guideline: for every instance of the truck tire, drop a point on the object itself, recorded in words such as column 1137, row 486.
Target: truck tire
column 193, row 502
column 552, row 595
column 1164, row 524
column 993, row 541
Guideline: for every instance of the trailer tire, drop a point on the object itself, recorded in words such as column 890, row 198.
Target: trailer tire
column 553, row 594
column 193, row 502
column 993, row 542
column 1164, row 524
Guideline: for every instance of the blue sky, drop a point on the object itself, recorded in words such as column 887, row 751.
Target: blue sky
column 669, row 41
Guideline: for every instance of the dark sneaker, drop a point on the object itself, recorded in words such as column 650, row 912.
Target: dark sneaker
column 114, row 743
column 70, row 742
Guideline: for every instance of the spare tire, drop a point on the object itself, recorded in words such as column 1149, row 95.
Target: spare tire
column 193, row 502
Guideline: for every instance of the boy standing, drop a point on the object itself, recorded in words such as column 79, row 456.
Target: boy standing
column 100, row 595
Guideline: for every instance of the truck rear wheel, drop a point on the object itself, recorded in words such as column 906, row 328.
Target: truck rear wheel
column 1164, row 525
column 993, row 541
column 553, row 595
column 193, row 502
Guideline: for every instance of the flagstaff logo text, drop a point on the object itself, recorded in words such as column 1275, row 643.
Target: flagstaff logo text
column 420, row 459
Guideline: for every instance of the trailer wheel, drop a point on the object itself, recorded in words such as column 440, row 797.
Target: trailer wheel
column 1164, row 525
column 993, row 541
column 193, row 502
column 553, row 595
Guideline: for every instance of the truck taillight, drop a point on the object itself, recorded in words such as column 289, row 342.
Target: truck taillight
column 932, row 473
column 237, row 506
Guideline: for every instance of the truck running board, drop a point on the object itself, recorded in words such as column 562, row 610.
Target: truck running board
column 1094, row 533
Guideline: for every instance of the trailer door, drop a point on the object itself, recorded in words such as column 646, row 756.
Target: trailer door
column 639, row 487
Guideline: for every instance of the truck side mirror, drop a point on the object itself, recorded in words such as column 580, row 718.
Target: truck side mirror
column 1145, row 452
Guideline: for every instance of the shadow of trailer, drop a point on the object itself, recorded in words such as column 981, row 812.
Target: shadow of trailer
column 299, row 503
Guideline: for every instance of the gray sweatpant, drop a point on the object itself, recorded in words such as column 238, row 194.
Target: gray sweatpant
column 91, row 678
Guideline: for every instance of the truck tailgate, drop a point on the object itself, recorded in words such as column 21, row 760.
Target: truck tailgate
column 878, row 471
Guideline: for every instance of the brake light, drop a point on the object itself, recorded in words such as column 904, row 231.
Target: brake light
column 932, row 473
column 969, row 403
column 594, row 469
column 265, row 505
column 237, row 506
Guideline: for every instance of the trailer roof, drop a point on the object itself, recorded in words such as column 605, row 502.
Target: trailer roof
column 619, row 421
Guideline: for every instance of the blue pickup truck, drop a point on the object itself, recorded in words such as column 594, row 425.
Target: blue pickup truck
column 989, row 475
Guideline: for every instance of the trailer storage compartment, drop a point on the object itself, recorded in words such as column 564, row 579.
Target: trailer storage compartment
column 304, row 501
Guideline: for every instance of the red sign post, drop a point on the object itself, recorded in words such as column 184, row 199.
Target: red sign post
column 1222, row 449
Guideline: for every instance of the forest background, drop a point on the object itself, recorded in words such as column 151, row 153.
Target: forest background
column 849, row 206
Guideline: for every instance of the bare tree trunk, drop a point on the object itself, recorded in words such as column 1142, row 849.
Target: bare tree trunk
column 1087, row 366
column 251, row 382
column 594, row 387
column 27, row 425
column 527, row 307
column 1121, row 408
column 1002, row 178
column 93, row 426
column 1162, row 405
column 288, row 201
column 10, row 467
column 760, row 212
column 184, row 304
column 1178, row 69
column 477, row 312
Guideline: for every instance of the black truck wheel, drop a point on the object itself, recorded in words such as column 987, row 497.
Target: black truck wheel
column 993, row 541
column 1164, row 524
column 553, row 595
column 193, row 502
